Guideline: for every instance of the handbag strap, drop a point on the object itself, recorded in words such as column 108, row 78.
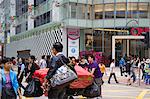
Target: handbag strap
column 62, row 61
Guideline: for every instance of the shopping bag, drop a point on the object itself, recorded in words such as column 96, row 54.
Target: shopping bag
column 63, row 75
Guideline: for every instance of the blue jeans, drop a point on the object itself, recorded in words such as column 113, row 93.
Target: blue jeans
column 147, row 78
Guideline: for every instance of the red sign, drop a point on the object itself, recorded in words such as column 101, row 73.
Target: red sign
column 138, row 31
column 73, row 34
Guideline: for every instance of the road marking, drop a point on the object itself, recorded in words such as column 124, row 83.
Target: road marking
column 120, row 97
column 27, row 98
column 119, row 90
column 142, row 94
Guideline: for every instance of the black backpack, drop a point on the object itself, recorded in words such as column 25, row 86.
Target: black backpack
column 92, row 91
column 33, row 89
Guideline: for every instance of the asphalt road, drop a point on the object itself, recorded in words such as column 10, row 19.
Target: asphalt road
column 118, row 91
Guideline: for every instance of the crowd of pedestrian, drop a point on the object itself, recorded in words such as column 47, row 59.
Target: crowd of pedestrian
column 12, row 84
column 135, row 68
column 26, row 67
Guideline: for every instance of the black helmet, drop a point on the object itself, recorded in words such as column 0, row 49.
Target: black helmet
column 58, row 46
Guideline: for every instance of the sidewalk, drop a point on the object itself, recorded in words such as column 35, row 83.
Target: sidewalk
column 123, row 80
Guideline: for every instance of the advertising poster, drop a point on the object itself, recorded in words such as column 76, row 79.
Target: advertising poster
column 73, row 42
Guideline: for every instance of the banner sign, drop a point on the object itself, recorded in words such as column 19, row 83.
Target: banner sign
column 73, row 33
column 73, row 42
column 138, row 31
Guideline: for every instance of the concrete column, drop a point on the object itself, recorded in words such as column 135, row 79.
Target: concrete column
column 128, row 47
column 64, row 41
column 113, row 47
column 12, row 13
column 56, row 11
column 30, row 19
column 124, row 47
column 82, row 40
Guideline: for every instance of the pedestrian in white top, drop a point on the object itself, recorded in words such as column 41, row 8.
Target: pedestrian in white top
column 42, row 63
column 112, row 73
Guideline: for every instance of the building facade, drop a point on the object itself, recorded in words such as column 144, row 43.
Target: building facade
column 114, row 27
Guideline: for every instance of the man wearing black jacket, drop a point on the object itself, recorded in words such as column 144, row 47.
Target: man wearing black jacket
column 56, row 92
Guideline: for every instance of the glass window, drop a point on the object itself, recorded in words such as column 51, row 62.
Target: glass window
column 98, row 11
column 97, row 41
column 120, row 10
column 65, row 11
column 132, row 10
column 73, row 10
column 81, row 11
column 88, row 41
column 109, row 11
column 143, row 10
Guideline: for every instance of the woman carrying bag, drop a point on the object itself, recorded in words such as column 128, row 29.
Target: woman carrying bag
column 10, row 86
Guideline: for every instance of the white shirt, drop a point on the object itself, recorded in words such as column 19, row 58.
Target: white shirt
column 42, row 63
column 112, row 66
column 139, row 65
column 58, row 53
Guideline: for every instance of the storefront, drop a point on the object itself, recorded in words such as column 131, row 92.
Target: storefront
column 100, row 40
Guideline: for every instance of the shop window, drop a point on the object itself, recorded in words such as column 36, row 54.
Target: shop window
column 132, row 10
column 120, row 10
column 97, row 41
column 98, row 11
column 143, row 10
column 88, row 41
column 109, row 11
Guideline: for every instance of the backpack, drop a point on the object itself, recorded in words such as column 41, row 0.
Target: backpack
column 92, row 91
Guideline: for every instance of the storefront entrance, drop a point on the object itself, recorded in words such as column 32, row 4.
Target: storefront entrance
column 125, row 45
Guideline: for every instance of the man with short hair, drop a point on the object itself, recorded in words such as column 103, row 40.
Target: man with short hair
column 95, row 70
column 54, row 92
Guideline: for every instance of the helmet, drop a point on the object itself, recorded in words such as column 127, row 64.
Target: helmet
column 58, row 46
